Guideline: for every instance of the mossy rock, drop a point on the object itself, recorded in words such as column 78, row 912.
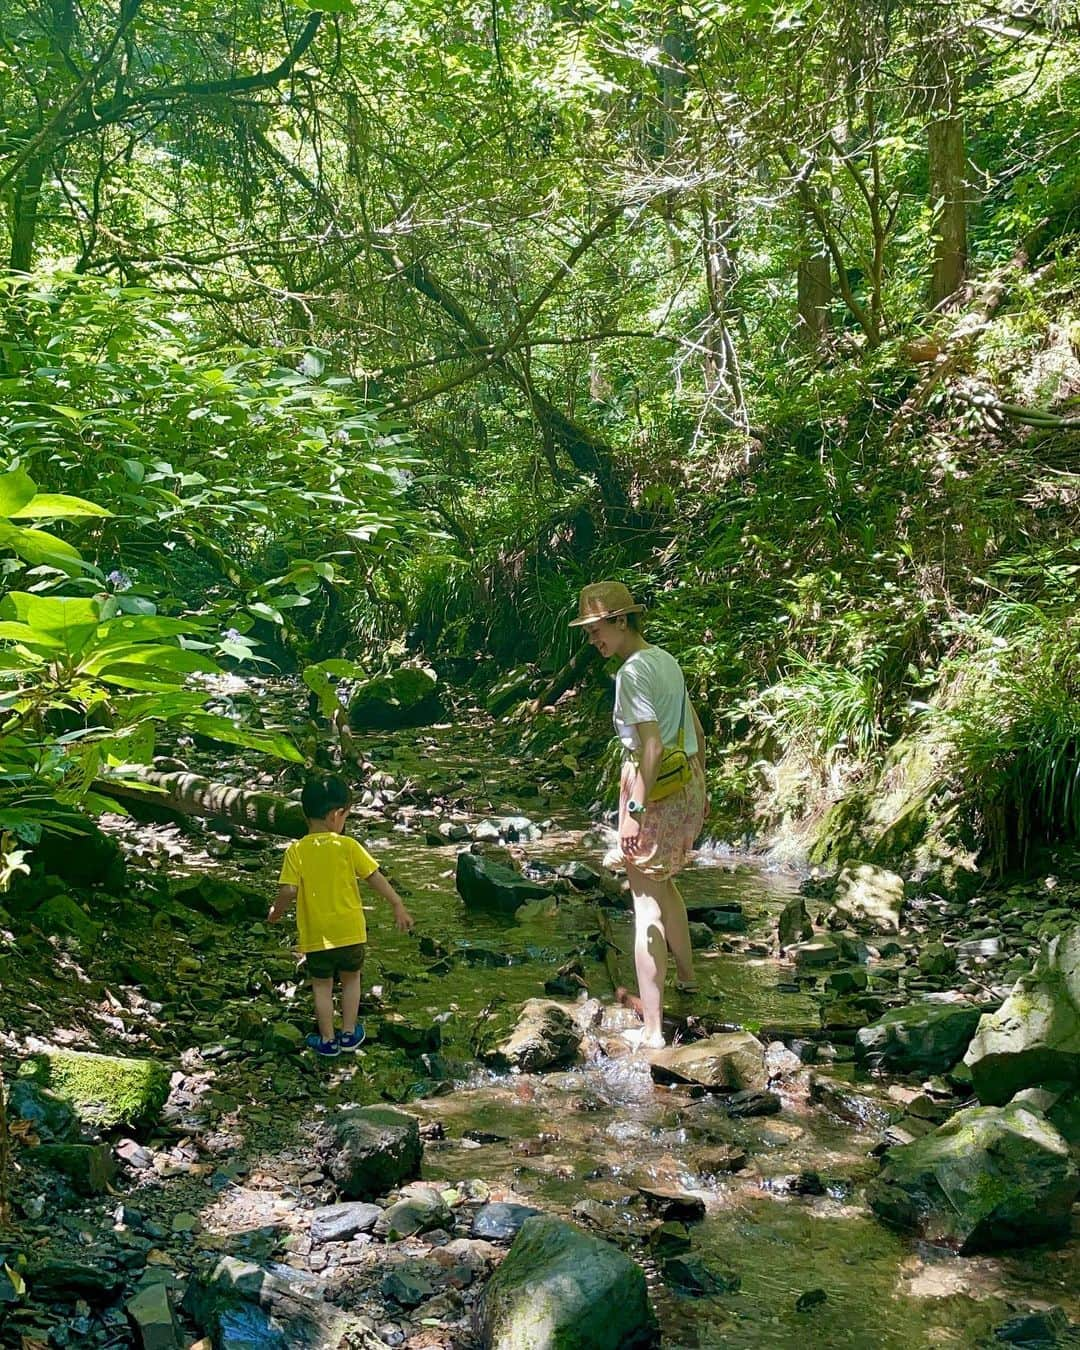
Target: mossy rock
column 60, row 915
column 88, row 1167
column 104, row 1090
column 407, row 697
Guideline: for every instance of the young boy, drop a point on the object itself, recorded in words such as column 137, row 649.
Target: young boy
column 320, row 873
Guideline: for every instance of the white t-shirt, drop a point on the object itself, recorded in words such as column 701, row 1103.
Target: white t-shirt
column 649, row 687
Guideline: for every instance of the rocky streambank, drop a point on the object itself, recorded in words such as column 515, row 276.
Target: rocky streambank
column 879, row 1083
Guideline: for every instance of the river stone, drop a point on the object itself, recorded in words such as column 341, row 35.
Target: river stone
column 545, row 1037
column 339, row 1223
column 814, row 955
column 422, row 1211
column 88, row 1167
column 407, row 697
column 731, row 1060
column 500, row 1220
column 989, row 1177
column 483, row 883
column 561, row 1289
column 371, row 1149
column 793, row 924
column 152, row 1320
column 870, row 897
column 855, row 1106
column 103, row 1090
column 243, row 1306
column 222, row 899
column 919, row 1038
column 741, row 1105
column 1034, row 1038
column 51, row 1116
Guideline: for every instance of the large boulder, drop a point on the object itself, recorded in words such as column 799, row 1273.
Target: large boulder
column 793, row 923
column 222, row 899
column 989, row 1177
column 560, row 1289
column 484, row 883
column 103, row 1090
column 918, row 1038
column 730, row 1061
column 1033, row 1040
column 77, row 851
column 242, row 1306
column 870, row 897
column 407, row 697
column 371, row 1149
column 545, row 1037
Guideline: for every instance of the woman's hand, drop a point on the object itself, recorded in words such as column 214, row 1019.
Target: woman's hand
column 629, row 829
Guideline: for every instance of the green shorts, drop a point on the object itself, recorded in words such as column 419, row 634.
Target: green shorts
column 331, row 961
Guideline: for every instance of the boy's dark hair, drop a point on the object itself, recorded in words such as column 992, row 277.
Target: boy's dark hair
column 323, row 795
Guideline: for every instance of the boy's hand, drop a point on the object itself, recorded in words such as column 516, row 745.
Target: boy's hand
column 403, row 918
column 273, row 915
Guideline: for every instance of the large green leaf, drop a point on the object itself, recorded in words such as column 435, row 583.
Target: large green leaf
column 222, row 729
column 16, row 489
column 68, row 620
column 56, row 506
column 157, row 655
column 39, row 548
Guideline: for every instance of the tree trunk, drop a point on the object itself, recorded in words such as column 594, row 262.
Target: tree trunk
column 25, row 200
column 814, row 291
column 948, row 180
column 192, row 795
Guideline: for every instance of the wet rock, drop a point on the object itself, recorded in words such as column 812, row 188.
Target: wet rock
column 103, row 1090
column 811, row 1299
column 729, row 919
column 718, row 1159
column 397, row 1031
column 690, row 1275
column 989, row 1177
column 983, row 949
column 870, row 897
column 500, row 1221
column 670, row 1204
column 670, row 1239
column 849, row 1103
column 1034, row 1037
column 742, row 1105
column 407, row 697
column 780, row 1062
column 339, row 1223
column 371, row 1149
column 545, row 1037
column 88, row 1167
column 919, row 1038
column 814, row 955
column 580, row 875
column 843, row 982
column 422, row 1211
column 452, row 832
column 519, row 830
column 561, row 1289
column 793, row 924
column 52, row 1118
column 486, row 884
column 936, row 959
column 1034, row 1329
column 731, row 1060
column 568, row 981
column 152, row 1319
column 61, row 915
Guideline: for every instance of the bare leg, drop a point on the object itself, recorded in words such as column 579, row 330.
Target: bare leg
column 650, row 953
column 323, row 991
column 676, row 929
column 351, row 984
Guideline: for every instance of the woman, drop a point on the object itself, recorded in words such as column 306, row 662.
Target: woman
column 655, row 838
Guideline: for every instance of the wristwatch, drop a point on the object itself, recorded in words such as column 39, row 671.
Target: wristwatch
column 634, row 808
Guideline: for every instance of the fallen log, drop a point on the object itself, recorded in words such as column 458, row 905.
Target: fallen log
column 191, row 795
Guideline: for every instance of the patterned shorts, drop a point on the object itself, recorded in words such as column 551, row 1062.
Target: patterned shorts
column 668, row 828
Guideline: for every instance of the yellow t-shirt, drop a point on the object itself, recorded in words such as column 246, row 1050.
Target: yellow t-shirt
column 324, row 867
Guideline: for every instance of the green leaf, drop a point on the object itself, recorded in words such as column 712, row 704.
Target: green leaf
column 56, row 506
column 331, row 6
column 37, row 547
column 65, row 620
column 16, row 489
column 222, row 729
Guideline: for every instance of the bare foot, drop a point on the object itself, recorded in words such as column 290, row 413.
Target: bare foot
column 637, row 1039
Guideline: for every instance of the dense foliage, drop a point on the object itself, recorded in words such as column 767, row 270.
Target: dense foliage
column 355, row 322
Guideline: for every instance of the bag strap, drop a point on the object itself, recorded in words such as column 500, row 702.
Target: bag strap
column 681, row 742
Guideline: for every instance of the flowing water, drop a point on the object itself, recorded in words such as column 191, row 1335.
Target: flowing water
column 598, row 1132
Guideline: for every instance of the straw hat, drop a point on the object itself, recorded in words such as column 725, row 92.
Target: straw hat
column 604, row 600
